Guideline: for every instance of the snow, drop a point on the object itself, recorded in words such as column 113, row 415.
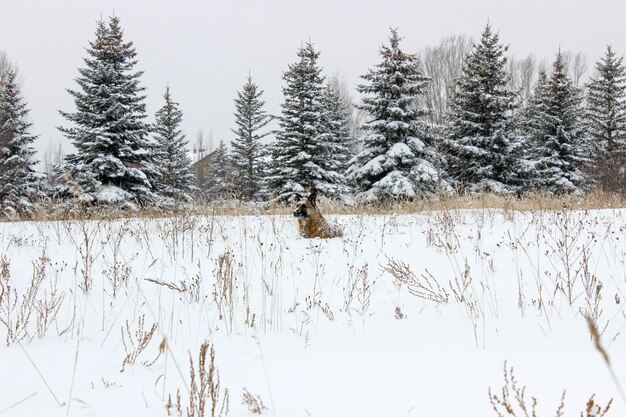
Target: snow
column 401, row 152
column 326, row 340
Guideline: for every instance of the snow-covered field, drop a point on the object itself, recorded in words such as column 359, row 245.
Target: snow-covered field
column 407, row 315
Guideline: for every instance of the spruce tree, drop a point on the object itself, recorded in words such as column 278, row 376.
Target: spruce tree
column 218, row 184
column 480, row 141
column 529, row 130
column 399, row 158
column 300, row 151
column 172, row 161
column 555, row 136
column 606, row 122
column 20, row 184
column 337, row 138
column 112, row 163
column 247, row 149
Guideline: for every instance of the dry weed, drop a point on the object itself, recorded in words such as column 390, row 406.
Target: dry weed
column 254, row 403
column 512, row 401
column 425, row 287
column 137, row 342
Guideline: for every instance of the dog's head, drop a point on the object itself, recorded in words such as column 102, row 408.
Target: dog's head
column 305, row 206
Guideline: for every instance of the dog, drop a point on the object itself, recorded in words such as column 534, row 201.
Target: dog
column 311, row 223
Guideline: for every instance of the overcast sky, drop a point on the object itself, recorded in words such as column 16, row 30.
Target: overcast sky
column 204, row 49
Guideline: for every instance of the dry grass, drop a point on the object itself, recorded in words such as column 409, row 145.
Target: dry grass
column 512, row 401
column 529, row 202
column 254, row 403
column 137, row 341
column 425, row 286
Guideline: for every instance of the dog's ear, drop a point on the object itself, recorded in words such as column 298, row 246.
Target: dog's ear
column 297, row 197
column 313, row 197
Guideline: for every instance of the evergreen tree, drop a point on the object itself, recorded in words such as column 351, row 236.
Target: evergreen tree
column 529, row 131
column 172, row 161
column 606, row 122
column 555, row 135
column 19, row 182
column 337, row 138
column 247, row 152
column 112, row 163
column 399, row 157
column 218, row 184
column 300, row 151
column 480, row 142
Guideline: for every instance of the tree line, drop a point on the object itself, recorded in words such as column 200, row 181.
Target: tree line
column 462, row 117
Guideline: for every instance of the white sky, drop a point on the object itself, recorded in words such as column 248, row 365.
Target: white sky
column 204, row 49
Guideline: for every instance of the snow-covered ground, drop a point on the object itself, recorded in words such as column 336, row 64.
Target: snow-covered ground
column 313, row 327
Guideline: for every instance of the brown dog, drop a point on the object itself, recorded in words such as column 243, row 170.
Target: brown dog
column 311, row 222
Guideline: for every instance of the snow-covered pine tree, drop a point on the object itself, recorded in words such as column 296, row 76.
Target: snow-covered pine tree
column 218, row 184
column 20, row 184
column 300, row 152
column 554, row 134
column 479, row 124
column 171, row 158
column 606, row 122
column 113, row 162
column 528, row 125
column 337, row 138
column 247, row 149
column 399, row 159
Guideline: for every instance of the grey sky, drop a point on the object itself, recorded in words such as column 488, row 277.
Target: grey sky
column 204, row 49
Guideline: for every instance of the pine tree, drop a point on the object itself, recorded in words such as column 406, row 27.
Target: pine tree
column 218, row 184
column 480, row 142
column 19, row 182
column 112, row 163
column 172, row 161
column 555, row 135
column 337, row 138
column 606, row 122
column 247, row 152
column 399, row 158
column 528, row 128
column 300, row 151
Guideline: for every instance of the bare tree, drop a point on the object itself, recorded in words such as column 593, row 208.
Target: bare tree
column 199, row 147
column 5, row 65
column 523, row 74
column 53, row 158
column 577, row 66
column 357, row 117
column 443, row 64
column 338, row 83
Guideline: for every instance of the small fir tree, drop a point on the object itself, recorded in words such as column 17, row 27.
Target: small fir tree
column 112, row 163
column 219, row 182
column 399, row 157
column 20, row 184
column 247, row 149
column 172, row 160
